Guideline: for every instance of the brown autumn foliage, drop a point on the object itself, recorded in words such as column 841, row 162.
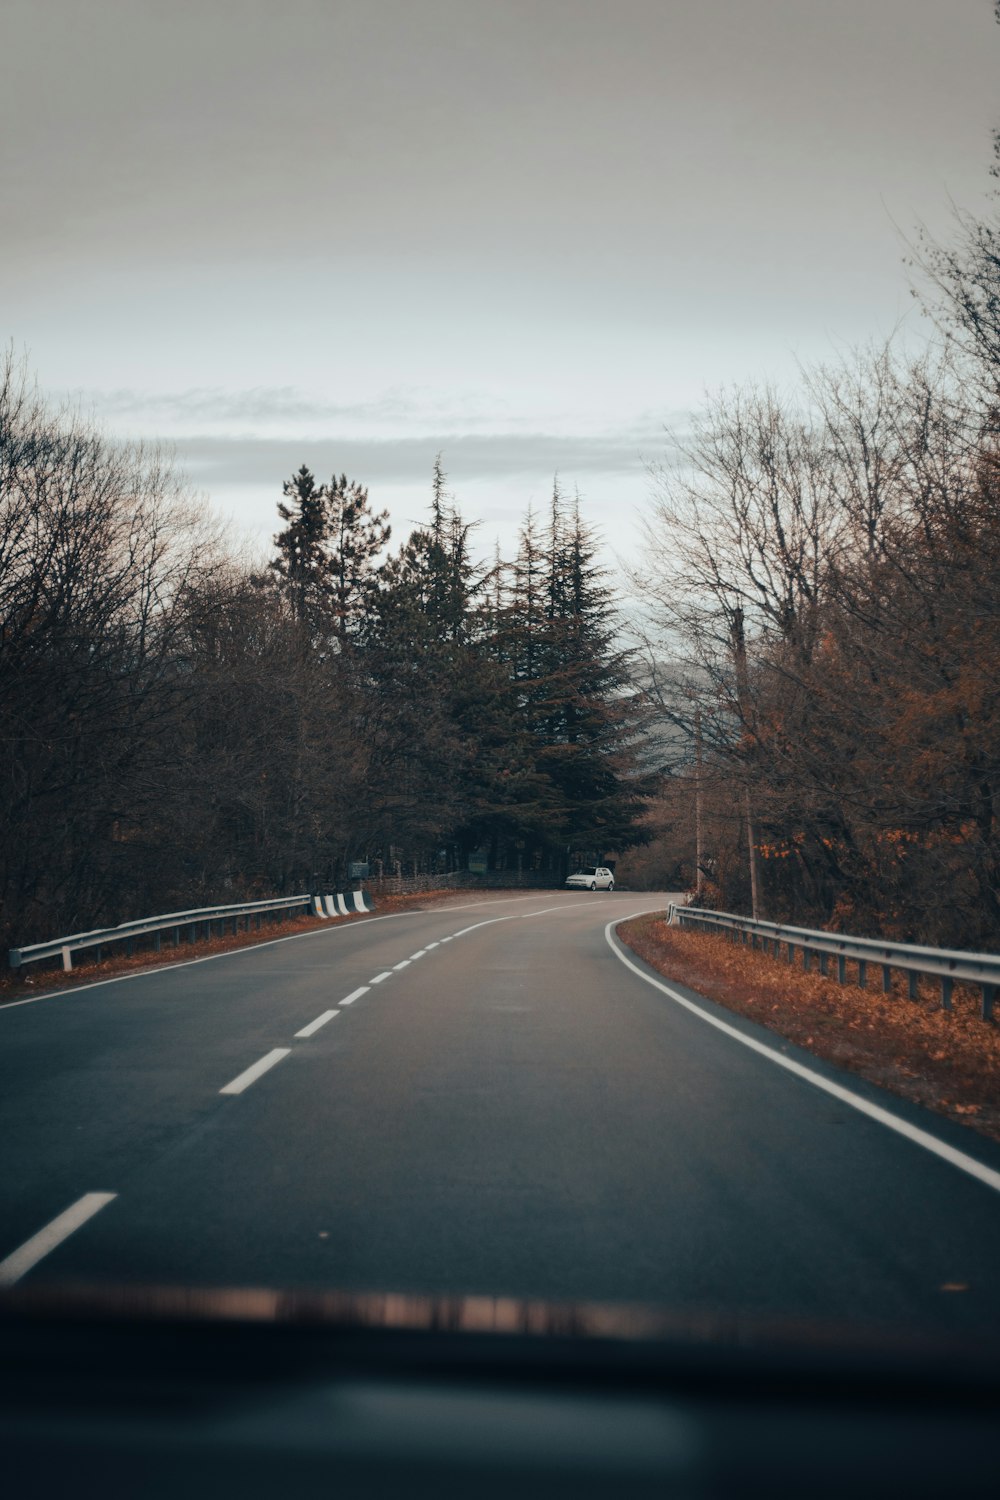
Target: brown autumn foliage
column 824, row 584
column 946, row 1061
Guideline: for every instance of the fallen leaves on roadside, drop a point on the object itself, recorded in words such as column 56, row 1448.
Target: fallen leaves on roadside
column 946, row 1061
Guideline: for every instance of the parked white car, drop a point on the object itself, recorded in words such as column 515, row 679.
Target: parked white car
column 592, row 878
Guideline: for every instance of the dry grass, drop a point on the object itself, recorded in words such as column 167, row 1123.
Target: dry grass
column 949, row 1062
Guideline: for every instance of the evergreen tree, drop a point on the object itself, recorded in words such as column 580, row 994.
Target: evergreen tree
column 327, row 552
column 357, row 535
column 302, row 561
column 574, row 687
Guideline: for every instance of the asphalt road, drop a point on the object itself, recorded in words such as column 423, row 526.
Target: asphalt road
column 510, row 1109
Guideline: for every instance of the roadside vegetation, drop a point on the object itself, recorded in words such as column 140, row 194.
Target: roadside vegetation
column 808, row 729
column 948, row 1061
column 822, row 584
column 181, row 727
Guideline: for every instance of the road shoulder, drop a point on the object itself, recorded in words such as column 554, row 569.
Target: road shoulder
column 945, row 1062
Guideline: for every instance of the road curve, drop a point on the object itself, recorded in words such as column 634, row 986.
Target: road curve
column 480, row 1098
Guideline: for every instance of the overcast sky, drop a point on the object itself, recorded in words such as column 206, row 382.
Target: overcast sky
column 526, row 232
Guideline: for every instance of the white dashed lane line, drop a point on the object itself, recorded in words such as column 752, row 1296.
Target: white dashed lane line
column 355, row 995
column 245, row 1079
column 21, row 1261
column 314, row 1026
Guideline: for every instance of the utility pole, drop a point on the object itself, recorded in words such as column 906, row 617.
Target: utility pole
column 698, row 849
column 743, row 702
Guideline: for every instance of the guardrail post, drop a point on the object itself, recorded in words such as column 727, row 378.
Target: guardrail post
column 824, row 963
column 947, row 985
column 157, row 943
column 912, row 980
column 862, row 973
column 989, row 995
column 791, row 953
column 886, row 978
column 67, row 959
column 841, row 968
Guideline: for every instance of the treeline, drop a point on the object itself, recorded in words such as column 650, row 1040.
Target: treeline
column 180, row 727
column 825, row 593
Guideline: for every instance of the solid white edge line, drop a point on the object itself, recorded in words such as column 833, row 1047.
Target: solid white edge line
column 314, row 1026
column 950, row 1154
column 354, row 995
column 378, row 978
column 291, row 937
column 250, row 1075
column 21, row 1260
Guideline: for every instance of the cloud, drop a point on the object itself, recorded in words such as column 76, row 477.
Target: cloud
column 233, row 461
column 204, row 409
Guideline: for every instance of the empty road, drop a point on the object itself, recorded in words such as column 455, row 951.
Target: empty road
column 480, row 1098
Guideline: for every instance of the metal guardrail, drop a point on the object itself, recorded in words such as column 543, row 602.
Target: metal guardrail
column 946, row 964
column 127, row 932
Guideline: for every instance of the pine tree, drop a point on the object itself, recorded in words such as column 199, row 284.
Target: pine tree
column 356, row 537
column 302, row 561
column 574, row 687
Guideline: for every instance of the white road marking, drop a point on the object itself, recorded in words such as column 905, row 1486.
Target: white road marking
column 209, row 958
column 467, row 905
column 563, row 906
column 404, row 965
column 419, row 954
column 314, row 1026
column 20, row 1262
column 291, row 937
column 913, row 1133
column 355, row 995
column 378, row 978
column 430, row 946
column 520, row 917
column 251, row 1074
column 490, row 922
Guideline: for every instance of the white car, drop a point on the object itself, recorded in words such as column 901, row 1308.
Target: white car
column 592, row 878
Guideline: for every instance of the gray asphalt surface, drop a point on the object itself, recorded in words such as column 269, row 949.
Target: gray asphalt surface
column 513, row 1112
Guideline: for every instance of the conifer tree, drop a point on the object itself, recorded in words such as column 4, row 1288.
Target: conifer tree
column 302, row 560
column 574, row 686
column 357, row 535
